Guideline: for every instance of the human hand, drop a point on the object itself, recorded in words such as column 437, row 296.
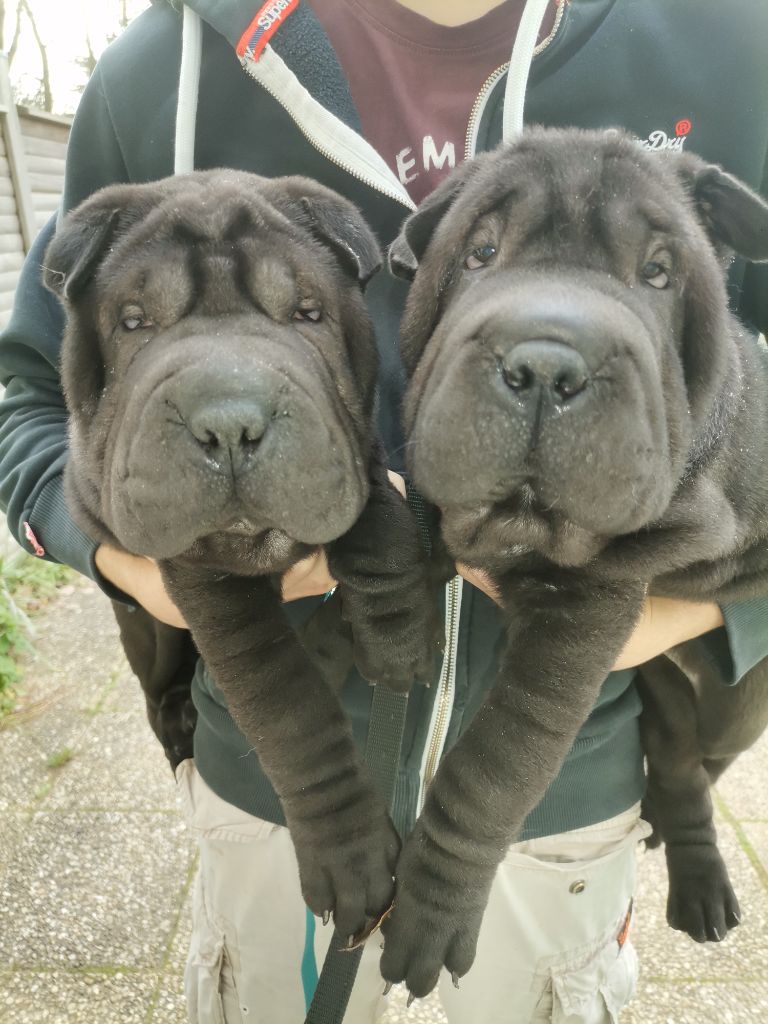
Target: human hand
column 664, row 623
column 479, row 579
column 139, row 578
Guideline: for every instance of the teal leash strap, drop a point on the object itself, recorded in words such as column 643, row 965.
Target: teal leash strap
column 382, row 757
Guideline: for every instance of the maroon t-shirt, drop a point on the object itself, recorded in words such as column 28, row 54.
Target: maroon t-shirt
column 414, row 82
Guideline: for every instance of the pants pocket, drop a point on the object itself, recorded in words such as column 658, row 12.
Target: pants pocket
column 593, row 984
column 209, row 977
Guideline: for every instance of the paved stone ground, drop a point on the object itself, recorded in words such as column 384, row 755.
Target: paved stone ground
column 95, row 864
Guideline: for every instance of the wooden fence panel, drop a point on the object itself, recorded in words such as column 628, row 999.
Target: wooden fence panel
column 33, row 147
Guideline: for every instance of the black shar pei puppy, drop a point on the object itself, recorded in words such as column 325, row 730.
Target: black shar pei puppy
column 219, row 366
column 590, row 422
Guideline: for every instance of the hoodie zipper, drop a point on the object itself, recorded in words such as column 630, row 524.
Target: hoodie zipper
column 361, row 173
column 488, row 85
column 443, row 705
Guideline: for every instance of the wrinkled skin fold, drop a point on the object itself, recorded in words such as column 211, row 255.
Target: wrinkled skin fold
column 589, row 420
column 219, row 366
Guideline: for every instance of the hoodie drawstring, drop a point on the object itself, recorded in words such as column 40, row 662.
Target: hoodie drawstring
column 520, row 67
column 189, row 83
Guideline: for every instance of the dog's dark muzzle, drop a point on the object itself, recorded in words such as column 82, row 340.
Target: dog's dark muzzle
column 242, row 432
column 549, row 384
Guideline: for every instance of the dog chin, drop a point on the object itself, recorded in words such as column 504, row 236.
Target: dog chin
column 568, row 528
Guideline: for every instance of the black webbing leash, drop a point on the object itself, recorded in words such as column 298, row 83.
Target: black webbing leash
column 382, row 756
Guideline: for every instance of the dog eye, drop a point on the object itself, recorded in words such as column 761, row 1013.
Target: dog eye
column 133, row 323
column 313, row 314
column 479, row 257
column 655, row 275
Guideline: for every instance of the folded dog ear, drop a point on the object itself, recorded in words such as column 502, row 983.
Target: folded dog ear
column 339, row 224
column 731, row 212
column 407, row 250
column 85, row 235
column 333, row 220
column 76, row 250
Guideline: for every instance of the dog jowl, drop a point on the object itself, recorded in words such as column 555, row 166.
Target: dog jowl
column 590, row 421
column 219, row 367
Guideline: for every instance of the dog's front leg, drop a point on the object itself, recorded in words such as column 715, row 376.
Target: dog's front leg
column 564, row 639
column 385, row 589
column 345, row 843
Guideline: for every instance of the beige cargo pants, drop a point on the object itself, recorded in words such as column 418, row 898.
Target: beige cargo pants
column 554, row 945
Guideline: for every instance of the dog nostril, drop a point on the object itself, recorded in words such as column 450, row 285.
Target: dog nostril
column 519, row 378
column 569, row 384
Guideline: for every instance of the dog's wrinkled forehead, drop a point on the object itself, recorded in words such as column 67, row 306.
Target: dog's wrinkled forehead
column 218, row 257
column 545, row 202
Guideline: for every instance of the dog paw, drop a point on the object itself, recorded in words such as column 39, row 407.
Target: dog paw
column 434, row 922
column 395, row 650
column 701, row 901
column 349, row 878
column 175, row 727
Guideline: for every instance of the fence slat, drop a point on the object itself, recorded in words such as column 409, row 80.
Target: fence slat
column 15, row 149
column 11, row 243
column 53, row 148
column 11, row 261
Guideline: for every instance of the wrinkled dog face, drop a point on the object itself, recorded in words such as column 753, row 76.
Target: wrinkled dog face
column 565, row 338
column 206, row 362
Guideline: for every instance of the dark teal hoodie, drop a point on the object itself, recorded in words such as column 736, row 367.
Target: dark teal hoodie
column 690, row 73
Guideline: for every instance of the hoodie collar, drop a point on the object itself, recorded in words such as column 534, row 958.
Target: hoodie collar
column 299, row 41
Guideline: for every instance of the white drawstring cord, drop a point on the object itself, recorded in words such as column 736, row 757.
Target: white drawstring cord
column 520, row 67
column 189, row 83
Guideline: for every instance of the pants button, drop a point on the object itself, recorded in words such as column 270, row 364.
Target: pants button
column 577, row 887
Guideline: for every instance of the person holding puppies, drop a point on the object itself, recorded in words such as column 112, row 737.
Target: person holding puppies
column 379, row 101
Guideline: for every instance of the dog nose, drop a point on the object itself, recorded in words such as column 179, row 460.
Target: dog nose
column 545, row 364
column 235, row 423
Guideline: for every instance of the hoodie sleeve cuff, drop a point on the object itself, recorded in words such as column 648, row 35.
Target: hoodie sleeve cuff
column 742, row 643
column 55, row 534
column 746, row 626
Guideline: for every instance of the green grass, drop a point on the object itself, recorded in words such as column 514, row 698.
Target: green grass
column 26, row 584
column 60, row 758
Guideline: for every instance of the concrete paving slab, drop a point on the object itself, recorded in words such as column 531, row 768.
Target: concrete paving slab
column 170, row 1005
column 14, row 825
column 756, row 834
column 668, row 955
column 63, row 997
column 100, row 889
column 743, row 786
column 691, row 1003
column 117, row 765
column 24, row 771
column 423, row 1011
column 177, row 955
column 74, row 658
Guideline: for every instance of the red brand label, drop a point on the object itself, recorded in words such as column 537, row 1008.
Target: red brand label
column 267, row 21
column 35, row 544
column 623, row 935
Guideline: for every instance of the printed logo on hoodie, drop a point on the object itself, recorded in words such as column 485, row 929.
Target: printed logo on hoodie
column 659, row 139
column 264, row 25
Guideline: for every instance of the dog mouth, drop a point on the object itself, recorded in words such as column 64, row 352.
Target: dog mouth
column 243, row 527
